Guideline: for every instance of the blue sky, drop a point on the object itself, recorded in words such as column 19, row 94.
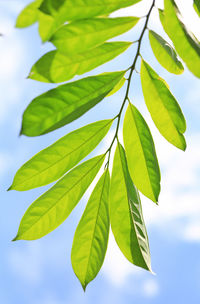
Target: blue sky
column 40, row 272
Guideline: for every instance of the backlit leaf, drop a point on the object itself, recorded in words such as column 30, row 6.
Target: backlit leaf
column 29, row 15
column 163, row 107
column 126, row 218
column 186, row 44
column 54, row 161
column 82, row 35
column 57, row 67
column 91, row 236
column 47, row 25
column 141, row 154
column 66, row 103
column 55, row 205
column 117, row 87
column 165, row 54
column 68, row 10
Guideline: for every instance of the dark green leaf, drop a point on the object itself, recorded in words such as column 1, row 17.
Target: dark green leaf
column 51, row 163
column 186, row 44
column 66, row 103
column 82, row 35
column 68, row 10
column 91, row 237
column 165, row 54
column 196, row 5
column 163, row 107
column 55, row 205
column 57, row 67
column 126, row 218
column 141, row 154
column 29, row 14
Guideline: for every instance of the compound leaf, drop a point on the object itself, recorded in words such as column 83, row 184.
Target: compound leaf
column 163, row 107
column 57, row 67
column 51, row 163
column 91, row 236
column 165, row 54
column 126, row 217
column 66, row 103
column 186, row 44
column 55, row 205
column 141, row 154
column 82, row 35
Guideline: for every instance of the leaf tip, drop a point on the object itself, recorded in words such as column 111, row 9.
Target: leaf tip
column 84, row 285
column 16, row 238
column 21, row 132
column 152, row 272
column 10, row 188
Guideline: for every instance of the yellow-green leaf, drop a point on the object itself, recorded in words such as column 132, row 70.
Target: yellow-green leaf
column 163, row 107
column 126, row 217
column 29, row 15
column 117, row 87
column 185, row 43
column 47, row 25
column 66, row 103
column 54, row 206
column 68, row 10
column 82, row 35
column 51, row 163
column 91, row 236
column 165, row 54
column 141, row 154
column 57, row 67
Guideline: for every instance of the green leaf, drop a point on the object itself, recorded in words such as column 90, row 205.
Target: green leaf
column 186, row 44
column 126, row 217
column 91, row 236
column 47, row 26
column 66, row 103
column 117, row 87
column 68, row 10
column 57, row 67
column 51, row 163
column 82, row 35
column 141, row 154
column 165, row 54
column 163, row 107
column 54, row 206
column 196, row 5
column 29, row 15
column 56, row 13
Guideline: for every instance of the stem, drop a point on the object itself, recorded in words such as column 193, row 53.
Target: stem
column 131, row 68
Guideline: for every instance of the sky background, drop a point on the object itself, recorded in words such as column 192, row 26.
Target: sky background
column 40, row 272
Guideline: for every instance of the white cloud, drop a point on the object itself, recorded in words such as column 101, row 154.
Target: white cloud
column 192, row 232
column 116, row 268
column 150, row 288
column 13, row 54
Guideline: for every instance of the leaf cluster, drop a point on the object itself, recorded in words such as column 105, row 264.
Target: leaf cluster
column 80, row 31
